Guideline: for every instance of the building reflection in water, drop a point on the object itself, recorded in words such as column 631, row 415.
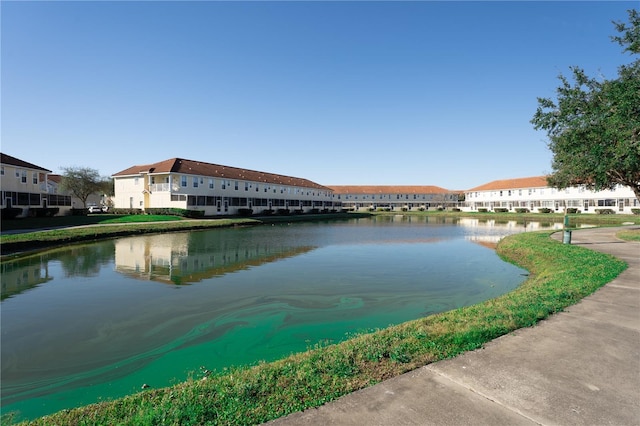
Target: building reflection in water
column 178, row 259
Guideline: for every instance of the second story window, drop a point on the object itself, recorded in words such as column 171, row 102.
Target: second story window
column 195, row 182
column 35, row 178
column 23, row 178
column 210, row 183
column 184, row 181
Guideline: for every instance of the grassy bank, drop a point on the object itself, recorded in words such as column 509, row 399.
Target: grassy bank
column 574, row 219
column 560, row 276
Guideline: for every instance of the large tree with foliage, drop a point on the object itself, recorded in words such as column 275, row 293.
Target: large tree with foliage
column 82, row 182
column 594, row 126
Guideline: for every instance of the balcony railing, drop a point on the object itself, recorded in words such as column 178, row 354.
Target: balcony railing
column 159, row 187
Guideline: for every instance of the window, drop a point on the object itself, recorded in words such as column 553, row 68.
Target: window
column 35, row 178
column 246, row 186
column 24, row 177
column 135, row 181
column 236, row 185
column 195, row 182
column 224, row 184
column 2, row 171
column 210, row 183
column 183, row 182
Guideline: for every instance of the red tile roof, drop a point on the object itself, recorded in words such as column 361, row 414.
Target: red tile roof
column 55, row 178
column 517, row 183
column 181, row 165
column 13, row 161
column 389, row 189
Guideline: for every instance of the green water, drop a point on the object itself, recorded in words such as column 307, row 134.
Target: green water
column 96, row 322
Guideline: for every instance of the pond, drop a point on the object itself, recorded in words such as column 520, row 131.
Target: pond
column 95, row 322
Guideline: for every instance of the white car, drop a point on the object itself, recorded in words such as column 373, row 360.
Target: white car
column 97, row 209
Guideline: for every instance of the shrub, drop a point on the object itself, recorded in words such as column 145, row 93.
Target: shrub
column 284, row 212
column 195, row 213
column 245, row 212
column 123, row 211
column 168, row 211
column 544, row 210
column 635, row 211
column 522, row 210
column 267, row 212
column 482, row 210
column 455, row 209
column 421, row 209
column 605, row 211
column 10, row 212
column 405, row 209
column 44, row 211
column 501, row 210
column 572, row 210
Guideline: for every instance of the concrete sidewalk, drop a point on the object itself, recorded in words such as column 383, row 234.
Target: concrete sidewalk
column 579, row 367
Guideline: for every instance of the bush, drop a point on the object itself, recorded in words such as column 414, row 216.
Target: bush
column 421, row 209
column 635, row 211
column 10, row 212
column 501, row 210
column 522, row 210
column 405, row 209
column 43, row 211
column 572, row 210
column 245, row 212
column 482, row 210
column 195, row 214
column 123, row 211
column 455, row 209
column 267, row 212
column 544, row 210
column 605, row 211
column 168, row 211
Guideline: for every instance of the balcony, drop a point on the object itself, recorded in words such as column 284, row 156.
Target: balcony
column 159, row 187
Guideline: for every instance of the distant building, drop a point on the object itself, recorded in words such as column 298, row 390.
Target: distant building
column 356, row 197
column 24, row 186
column 53, row 183
column 216, row 189
column 535, row 195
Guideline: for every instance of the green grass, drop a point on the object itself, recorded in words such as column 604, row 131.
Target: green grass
column 629, row 235
column 561, row 275
column 574, row 219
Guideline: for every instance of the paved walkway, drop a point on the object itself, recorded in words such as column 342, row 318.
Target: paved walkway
column 579, row 367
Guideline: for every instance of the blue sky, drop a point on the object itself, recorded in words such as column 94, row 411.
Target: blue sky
column 398, row 93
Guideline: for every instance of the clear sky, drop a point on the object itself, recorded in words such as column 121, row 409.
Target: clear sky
column 397, row 93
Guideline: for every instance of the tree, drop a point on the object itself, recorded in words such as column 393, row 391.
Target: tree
column 82, row 182
column 594, row 128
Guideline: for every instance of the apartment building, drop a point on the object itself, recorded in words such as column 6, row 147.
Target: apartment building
column 24, row 186
column 535, row 195
column 399, row 197
column 215, row 189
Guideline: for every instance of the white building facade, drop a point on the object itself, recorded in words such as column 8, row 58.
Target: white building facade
column 534, row 195
column 395, row 197
column 24, row 186
column 214, row 189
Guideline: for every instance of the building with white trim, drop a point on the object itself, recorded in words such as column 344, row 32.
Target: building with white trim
column 395, row 197
column 214, row 189
column 535, row 195
column 24, row 186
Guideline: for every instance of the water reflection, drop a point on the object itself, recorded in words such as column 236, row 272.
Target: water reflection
column 182, row 259
column 97, row 321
